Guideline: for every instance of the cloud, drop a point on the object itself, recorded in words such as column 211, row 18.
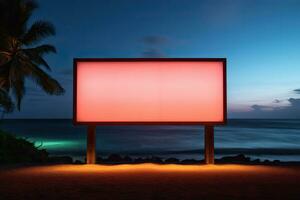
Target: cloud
column 294, row 102
column 297, row 91
column 153, row 47
column 290, row 111
column 288, row 108
column 277, row 101
column 261, row 107
column 155, row 40
column 153, row 53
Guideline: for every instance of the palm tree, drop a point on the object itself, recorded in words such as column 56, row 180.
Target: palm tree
column 6, row 103
column 20, row 56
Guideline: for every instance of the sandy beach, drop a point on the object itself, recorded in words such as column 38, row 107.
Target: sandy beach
column 150, row 181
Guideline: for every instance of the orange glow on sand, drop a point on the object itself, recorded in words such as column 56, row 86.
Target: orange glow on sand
column 150, row 181
column 148, row 168
column 150, row 91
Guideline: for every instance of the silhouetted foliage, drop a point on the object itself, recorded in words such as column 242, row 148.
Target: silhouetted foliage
column 20, row 59
column 60, row 160
column 127, row 159
column 116, row 158
column 6, row 104
column 19, row 150
column 189, row 161
column 236, row 159
column 172, row 160
column 240, row 158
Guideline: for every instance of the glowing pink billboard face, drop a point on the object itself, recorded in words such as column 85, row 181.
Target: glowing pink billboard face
column 158, row 91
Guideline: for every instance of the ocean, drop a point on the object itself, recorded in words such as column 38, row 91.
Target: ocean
column 257, row 138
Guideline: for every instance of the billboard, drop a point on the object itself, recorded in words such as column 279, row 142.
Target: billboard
column 149, row 91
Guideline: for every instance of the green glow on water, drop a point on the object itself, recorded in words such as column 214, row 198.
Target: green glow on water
column 57, row 144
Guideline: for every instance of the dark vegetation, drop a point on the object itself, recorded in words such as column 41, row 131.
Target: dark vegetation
column 19, row 150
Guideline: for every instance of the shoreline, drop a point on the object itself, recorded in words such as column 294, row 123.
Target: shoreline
column 116, row 159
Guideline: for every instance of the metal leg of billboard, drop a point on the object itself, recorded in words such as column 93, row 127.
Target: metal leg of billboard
column 91, row 145
column 209, row 144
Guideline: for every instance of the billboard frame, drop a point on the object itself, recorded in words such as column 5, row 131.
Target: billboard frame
column 91, row 123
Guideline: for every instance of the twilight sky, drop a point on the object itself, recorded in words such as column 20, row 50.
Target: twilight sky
column 260, row 39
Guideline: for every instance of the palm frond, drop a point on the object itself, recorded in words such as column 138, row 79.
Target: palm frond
column 4, row 76
column 27, row 8
column 42, row 49
column 4, row 41
column 5, row 57
column 9, row 17
column 18, row 90
column 5, row 102
column 16, row 80
column 36, row 58
column 14, row 15
column 38, row 31
column 36, row 53
column 44, row 80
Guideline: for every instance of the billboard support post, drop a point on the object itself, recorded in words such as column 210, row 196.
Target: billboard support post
column 91, row 145
column 209, row 144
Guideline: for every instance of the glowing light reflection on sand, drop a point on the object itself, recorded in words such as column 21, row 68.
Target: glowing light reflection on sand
column 148, row 167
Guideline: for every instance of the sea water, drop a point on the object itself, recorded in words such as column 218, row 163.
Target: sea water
column 264, row 139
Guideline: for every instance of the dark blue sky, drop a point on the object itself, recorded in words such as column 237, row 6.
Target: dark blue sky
column 260, row 39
